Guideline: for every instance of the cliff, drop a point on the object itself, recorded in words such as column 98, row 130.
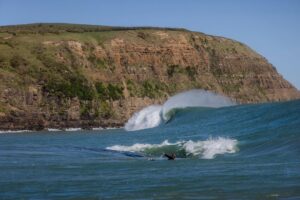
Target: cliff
column 62, row 75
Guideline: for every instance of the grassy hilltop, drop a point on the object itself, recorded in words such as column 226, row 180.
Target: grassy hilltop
column 64, row 75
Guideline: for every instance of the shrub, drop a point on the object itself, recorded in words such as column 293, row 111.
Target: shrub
column 101, row 90
column 131, row 87
column 148, row 89
column 172, row 69
column 191, row 72
column 17, row 61
column 105, row 110
column 153, row 89
column 115, row 92
column 50, row 62
column 111, row 91
column 81, row 89
column 85, row 111
column 74, row 87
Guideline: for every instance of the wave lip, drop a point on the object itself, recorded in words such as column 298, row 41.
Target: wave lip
column 153, row 115
column 206, row 149
column 194, row 98
column 148, row 117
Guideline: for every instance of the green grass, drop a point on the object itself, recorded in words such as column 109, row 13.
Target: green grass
column 58, row 28
column 96, row 62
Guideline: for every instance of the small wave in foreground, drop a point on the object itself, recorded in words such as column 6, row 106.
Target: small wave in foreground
column 206, row 149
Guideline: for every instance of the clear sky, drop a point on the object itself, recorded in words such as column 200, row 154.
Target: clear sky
column 271, row 27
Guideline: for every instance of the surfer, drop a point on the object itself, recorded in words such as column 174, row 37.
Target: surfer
column 170, row 156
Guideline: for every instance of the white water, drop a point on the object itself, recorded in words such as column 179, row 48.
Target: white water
column 148, row 117
column 152, row 116
column 73, row 129
column 138, row 147
column 53, row 130
column 211, row 147
column 206, row 149
column 15, row 131
column 98, row 129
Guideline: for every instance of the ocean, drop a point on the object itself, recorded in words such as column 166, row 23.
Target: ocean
column 223, row 151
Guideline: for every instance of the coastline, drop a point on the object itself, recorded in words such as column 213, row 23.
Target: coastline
column 69, row 129
column 31, row 124
column 85, row 79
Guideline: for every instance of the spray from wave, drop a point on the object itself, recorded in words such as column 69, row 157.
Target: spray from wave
column 206, row 149
column 152, row 116
column 148, row 117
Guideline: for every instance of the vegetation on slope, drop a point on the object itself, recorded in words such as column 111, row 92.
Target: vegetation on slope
column 65, row 72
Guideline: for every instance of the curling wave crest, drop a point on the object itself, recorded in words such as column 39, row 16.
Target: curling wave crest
column 153, row 115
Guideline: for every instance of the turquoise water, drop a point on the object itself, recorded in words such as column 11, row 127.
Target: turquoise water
column 238, row 152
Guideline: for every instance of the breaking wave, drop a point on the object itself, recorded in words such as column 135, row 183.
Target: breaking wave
column 148, row 117
column 153, row 115
column 206, row 149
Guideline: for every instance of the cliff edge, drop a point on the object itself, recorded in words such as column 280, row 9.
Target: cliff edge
column 63, row 75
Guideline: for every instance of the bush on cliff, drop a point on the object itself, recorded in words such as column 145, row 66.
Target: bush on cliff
column 74, row 87
column 110, row 91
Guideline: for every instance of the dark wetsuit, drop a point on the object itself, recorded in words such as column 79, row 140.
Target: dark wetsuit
column 170, row 156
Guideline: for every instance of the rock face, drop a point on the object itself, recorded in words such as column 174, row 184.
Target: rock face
column 57, row 75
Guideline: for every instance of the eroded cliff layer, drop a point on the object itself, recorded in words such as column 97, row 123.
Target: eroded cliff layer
column 58, row 75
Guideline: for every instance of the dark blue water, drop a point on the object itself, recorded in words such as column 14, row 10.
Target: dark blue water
column 239, row 152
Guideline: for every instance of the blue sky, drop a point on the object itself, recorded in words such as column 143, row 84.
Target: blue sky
column 271, row 27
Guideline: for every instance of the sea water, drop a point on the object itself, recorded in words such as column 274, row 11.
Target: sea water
column 231, row 152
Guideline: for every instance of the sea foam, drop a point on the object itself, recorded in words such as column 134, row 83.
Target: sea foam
column 152, row 116
column 14, row 131
column 208, row 149
column 148, row 117
column 73, row 129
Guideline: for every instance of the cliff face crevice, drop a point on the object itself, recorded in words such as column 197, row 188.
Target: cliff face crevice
column 70, row 75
